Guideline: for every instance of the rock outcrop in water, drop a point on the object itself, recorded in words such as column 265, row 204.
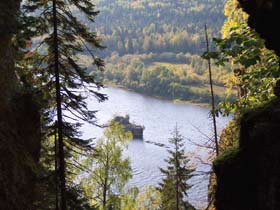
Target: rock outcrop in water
column 136, row 130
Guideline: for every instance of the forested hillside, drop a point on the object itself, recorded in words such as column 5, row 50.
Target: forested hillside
column 157, row 26
column 150, row 42
column 45, row 160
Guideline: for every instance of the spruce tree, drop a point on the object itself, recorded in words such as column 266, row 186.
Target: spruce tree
column 58, row 36
column 174, row 185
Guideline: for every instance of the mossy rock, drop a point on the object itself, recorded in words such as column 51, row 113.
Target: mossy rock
column 248, row 176
column 227, row 157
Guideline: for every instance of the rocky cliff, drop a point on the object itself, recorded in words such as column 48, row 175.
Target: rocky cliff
column 19, row 123
column 264, row 17
column 248, row 175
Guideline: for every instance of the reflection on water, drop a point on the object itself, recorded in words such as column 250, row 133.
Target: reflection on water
column 159, row 118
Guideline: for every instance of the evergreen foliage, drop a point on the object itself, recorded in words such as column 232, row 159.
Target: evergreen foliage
column 159, row 33
column 174, row 186
column 156, row 26
column 49, row 43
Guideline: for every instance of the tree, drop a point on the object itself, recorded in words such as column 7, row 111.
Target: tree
column 129, row 199
column 174, row 185
column 149, row 199
column 110, row 171
column 129, row 46
column 56, row 72
column 235, row 16
column 254, row 68
column 254, row 73
column 212, row 95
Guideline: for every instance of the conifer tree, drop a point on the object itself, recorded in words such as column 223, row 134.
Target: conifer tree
column 53, row 67
column 174, row 185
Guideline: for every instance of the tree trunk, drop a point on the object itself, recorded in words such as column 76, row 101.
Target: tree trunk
column 212, row 96
column 62, row 166
column 177, row 175
column 105, row 189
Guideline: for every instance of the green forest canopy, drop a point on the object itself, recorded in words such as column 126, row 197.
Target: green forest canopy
column 157, row 26
column 142, row 36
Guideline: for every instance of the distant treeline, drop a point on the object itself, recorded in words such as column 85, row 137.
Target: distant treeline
column 153, row 46
column 157, row 26
column 188, row 82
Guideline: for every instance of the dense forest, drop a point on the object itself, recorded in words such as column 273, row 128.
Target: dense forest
column 45, row 163
column 164, row 39
column 143, row 27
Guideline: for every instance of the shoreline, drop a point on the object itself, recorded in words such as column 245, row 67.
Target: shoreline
column 175, row 101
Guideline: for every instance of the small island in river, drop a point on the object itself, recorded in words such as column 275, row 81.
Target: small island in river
column 136, row 130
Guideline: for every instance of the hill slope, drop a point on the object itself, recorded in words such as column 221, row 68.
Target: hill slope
column 143, row 36
column 144, row 26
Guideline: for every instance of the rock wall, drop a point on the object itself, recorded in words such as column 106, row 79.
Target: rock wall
column 248, row 176
column 8, row 11
column 264, row 17
column 19, row 153
column 19, row 123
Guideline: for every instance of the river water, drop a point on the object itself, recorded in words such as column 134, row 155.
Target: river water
column 159, row 118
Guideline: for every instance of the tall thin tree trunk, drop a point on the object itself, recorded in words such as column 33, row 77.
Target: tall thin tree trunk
column 59, row 112
column 177, row 175
column 177, row 194
column 105, row 194
column 212, row 95
column 105, row 189
column 56, row 172
column 177, row 191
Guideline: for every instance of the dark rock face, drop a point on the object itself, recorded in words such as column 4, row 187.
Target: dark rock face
column 19, row 153
column 248, row 177
column 264, row 17
column 9, row 10
column 19, row 123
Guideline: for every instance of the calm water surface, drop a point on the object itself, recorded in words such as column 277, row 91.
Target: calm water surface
column 159, row 118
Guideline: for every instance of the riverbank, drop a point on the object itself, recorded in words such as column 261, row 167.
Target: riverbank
column 175, row 101
column 159, row 118
column 184, row 82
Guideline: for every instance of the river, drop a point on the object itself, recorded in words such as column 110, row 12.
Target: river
column 159, row 118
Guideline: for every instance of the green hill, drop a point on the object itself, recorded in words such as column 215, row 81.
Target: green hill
column 142, row 36
column 157, row 26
